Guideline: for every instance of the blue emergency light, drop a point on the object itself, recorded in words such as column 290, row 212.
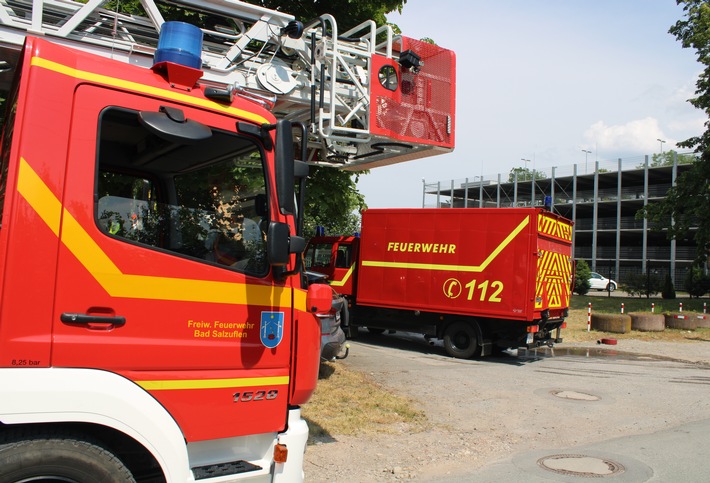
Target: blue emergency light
column 180, row 43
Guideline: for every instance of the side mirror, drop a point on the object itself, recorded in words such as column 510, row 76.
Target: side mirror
column 281, row 244
column 319, row 298
column 277, row 244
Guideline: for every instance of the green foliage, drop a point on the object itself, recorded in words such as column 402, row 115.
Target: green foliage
column 697, row 283
column 639, row 284
column 333, row 202
column 347, row 13
column 668, row 291
column 357, row 10
column 666, row 159
column 525, row 174
column 687, row 204
column 582, row 275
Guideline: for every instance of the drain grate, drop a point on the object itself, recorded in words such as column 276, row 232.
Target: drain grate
column 581, row 465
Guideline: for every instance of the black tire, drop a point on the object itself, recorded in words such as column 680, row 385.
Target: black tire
column 52, row 458
column 375, row 330
column 461, row 340
column 610, row 287
column 350, row 330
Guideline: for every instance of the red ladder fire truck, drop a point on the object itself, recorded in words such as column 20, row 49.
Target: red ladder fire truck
column 155, row 323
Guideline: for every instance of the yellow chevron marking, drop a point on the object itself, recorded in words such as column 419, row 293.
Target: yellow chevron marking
column 344, row 280
column 119, row 284
column 553, row 278
column 552, row 227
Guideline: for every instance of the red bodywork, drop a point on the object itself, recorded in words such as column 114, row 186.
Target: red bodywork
column 191, row 334
column 505, row 263
column 419, row 106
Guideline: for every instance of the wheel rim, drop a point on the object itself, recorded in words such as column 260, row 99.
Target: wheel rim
column 461, row 340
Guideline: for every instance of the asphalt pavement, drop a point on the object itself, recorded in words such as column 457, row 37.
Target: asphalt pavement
column 568, row 414
column 679, row 454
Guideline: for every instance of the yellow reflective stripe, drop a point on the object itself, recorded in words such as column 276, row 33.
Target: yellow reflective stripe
column 457, row 268
column 39, row 196
column 142, row 88
column 78, row 241
column 340, row 283
column 119, row 284
column 213, row 383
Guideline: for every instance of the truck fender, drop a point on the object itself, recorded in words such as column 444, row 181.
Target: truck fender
column 54, row 395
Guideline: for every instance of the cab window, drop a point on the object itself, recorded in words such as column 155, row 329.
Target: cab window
column 203, row 200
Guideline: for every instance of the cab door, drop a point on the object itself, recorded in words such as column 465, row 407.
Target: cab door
column 162, row 275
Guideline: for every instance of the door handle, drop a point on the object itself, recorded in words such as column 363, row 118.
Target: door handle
column 89, row 320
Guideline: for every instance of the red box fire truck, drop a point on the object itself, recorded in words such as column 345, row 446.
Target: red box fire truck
column 479, row 278
column 155, row 323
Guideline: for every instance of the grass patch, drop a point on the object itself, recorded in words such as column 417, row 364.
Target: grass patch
column 636, row 304
column 576, row 330
column 350, row 403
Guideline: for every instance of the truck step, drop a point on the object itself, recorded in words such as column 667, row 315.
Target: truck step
column 223, row 469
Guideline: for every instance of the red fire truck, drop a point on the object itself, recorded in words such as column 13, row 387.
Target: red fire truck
column 479, row 278
column 155, row 323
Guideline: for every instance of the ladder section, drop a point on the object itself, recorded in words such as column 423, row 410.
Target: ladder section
column 307, row 73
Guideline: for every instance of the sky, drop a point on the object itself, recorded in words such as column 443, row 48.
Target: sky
column 545, row 80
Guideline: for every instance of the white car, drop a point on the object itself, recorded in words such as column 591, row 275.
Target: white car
column 599, row 282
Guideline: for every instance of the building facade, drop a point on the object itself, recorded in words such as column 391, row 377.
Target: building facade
column 603, row 204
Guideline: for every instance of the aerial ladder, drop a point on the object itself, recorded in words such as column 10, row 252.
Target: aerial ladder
column 367, row 97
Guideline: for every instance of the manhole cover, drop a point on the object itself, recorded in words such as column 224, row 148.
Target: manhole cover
column 577, row 396
column 581, row 465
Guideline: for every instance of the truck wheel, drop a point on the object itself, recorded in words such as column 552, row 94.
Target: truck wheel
column 46, row 457
column 460, row 340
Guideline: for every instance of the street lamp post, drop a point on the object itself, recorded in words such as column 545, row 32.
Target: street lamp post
column 526, row 161
column 661, row 141
column 586, row 153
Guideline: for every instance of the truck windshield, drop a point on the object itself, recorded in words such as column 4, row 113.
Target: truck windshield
column 205, row 201
column 318, row 255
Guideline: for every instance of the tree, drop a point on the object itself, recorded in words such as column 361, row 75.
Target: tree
column 668, row 291
column 357, row 10
column 582, row 275
column 696, row 283
column 638, row 284
column 666, row 159
column 525, row 174
column 687, row 204
column 333, row 202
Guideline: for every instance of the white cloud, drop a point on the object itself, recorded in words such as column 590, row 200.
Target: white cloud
column 693, row 126
column 635, row 136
